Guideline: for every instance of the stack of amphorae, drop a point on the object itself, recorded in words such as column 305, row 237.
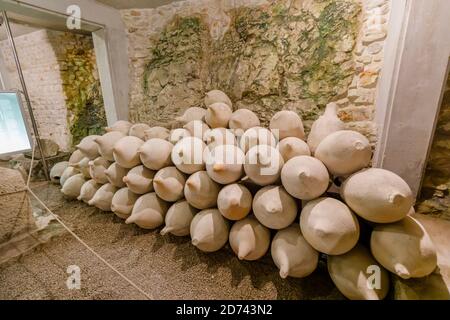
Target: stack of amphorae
column 221, row 177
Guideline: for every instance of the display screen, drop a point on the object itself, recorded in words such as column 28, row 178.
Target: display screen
column 14, row 135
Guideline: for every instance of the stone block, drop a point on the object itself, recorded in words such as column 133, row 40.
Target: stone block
column 356, row 113
column 373, row 37
column 368, row 79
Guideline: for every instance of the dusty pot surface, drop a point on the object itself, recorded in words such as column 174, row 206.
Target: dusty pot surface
column 353, row 274
column 67, row 173
column 72, row 187
column 187, row 155
column 256, row 136
column 224, row 164
column 97, row 168
column 103, row 197
column 57, row 171
column 156, row 153
column 377, row 195
column 243, row 119
column 287, row 124
column 196, row 128
column 168, row 184
column 178, row 219
column 76, row 157
column 178, row 134
column 83, row 167
column 263, row 165
column 327, row 123
column 201, row 191
column 305, row 178
column 88, row 190
column 209, row 230
column 125, row 152
column 115, row 174
column 192, row 114
column 218, row 115
column 234, row 201
column 249, row 239
column 215, row 96
column 291, row 147
column 148, row 212
column 333, row 234
column 120, row 126
column 344, row 152
column 219, row 136
column 138, row 130
column 122, row 202
column 106, row 144
column 404, row 248
column 89, row 147
column 139, row 180
column 274, row 207
column 156, row 133
column 292, row 254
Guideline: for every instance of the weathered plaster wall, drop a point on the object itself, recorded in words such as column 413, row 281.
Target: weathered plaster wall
column 435, row 197
column 266, row 55
column 62, row 81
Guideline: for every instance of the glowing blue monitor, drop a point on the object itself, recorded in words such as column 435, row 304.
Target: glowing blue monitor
column 14, row 134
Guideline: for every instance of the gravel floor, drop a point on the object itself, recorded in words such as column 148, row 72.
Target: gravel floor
column 165, row 267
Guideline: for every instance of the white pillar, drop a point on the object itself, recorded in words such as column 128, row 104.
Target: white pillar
column 415, row 69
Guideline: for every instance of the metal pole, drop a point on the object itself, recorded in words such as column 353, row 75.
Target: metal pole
column 25, row 93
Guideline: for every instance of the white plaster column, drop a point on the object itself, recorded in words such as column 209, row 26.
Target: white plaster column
column 410, row 91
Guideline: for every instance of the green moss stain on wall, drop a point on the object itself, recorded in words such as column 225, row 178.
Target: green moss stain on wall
column 86, row 112
column 435, row 195
column 272, row 57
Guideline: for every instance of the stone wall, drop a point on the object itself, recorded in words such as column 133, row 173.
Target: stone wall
column 62, row 81
column 435, row 194
column 266, row 55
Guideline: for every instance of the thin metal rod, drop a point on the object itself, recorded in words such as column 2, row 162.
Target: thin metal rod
column 25, row 93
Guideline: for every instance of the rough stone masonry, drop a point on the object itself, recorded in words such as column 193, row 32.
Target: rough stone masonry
column 266, row 55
